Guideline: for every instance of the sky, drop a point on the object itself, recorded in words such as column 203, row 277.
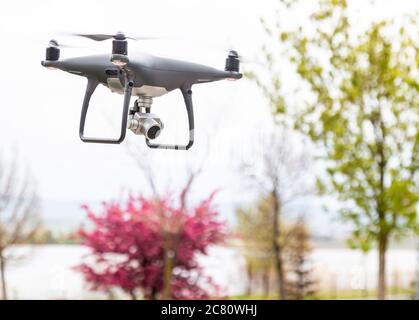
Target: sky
column 40, row 108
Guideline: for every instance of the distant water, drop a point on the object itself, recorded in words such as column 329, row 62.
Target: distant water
column 67, row 215
column 46, row 271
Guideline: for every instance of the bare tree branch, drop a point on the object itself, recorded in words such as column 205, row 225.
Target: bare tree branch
column 19, row 205
column 278, row 170
column 142, row 160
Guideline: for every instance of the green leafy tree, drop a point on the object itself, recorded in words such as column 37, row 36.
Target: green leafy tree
column 357, row 99
column 255, row 229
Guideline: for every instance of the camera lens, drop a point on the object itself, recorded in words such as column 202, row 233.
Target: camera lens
column 153, row 132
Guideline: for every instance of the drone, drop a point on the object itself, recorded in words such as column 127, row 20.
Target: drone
column 142, row 76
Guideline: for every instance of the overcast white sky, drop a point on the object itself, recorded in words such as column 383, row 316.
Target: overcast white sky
column 39, row 108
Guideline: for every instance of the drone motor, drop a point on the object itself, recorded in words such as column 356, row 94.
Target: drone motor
column 53, row 51
column 232, row 62
column 119, row 50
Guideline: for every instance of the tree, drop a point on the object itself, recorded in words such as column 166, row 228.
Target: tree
column 258, row 249
column 259, row 252
column 130, row 246
column 280, row 171
column 300, row 280
column 357, row 99
column 152, row 173
column 171, row 244
column 19, row 219
column 144, row 161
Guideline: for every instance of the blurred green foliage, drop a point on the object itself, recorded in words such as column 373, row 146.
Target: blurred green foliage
column 358, row 101
column 47, row 236
column 256, row 232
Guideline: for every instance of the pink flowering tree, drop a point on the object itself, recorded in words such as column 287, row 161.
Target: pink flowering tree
column 149, row 248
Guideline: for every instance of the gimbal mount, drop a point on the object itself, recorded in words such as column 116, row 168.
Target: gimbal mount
column 128, row 84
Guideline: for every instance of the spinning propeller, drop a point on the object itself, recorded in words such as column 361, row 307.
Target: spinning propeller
column 119, row 44
column 118, row 36
column 54, row 43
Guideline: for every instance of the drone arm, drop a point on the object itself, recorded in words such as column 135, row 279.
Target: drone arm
column 91, row 87
column 187, row 95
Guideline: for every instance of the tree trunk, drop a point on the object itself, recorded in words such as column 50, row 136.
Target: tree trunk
column 266, row 288
column 280, row 271
column 132, row 295
column 3, row 277
column 277, row 248
column 381, row 210
column 153, row 294
column 382, row 248
column 168, row 269
column 249, row 279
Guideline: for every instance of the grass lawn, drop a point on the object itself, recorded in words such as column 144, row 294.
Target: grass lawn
column 392, row 293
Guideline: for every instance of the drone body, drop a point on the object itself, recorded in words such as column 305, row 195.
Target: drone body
column 143, row 76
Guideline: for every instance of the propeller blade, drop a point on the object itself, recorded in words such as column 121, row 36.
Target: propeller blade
column 103, row 37
column 54, row 43
column 67, row 46
column 145, row 38
column 244, row 59
column 95, row 37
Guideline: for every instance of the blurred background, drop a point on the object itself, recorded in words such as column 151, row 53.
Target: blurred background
column 313, row 155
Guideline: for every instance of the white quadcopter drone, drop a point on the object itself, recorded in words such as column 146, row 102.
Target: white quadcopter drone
column 143, row 76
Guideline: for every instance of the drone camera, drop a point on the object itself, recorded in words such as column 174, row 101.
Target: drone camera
column 146, row 124
column 151, row 129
